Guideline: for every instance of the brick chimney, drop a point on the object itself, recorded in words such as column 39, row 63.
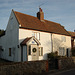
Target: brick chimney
column 40, row 15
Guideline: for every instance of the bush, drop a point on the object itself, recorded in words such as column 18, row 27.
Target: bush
column 73, row 52
column 52, row 55
column 2, row 32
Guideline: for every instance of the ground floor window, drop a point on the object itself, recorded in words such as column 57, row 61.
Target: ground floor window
column 9, row 51
column 40, row 51
column 61, row 51
column 29, row 51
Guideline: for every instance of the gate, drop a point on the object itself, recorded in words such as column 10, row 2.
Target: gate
column 53, row 64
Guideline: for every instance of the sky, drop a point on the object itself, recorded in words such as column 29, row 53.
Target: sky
column 59, row 11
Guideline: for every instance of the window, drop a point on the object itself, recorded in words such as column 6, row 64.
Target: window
column 61, row 51
column 9, row 51
column 63, row 39
column 29, row 52
column 36, row 35
column 40, row 51
column 1, row 48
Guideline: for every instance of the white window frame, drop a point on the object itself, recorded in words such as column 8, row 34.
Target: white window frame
column 36, row 35
column 40, row 51
column 62, row 51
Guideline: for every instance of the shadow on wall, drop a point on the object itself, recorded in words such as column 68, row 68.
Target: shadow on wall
column 45, row 56
column 47, row 44
column 58, row 43
column 21, row 40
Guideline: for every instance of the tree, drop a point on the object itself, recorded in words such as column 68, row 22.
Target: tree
column 73, row 51
column 2, row 32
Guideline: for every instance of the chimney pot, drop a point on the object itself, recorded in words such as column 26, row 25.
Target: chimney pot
column 40, row 10
column 40, row 15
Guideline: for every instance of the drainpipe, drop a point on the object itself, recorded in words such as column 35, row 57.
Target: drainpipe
column 51, row 42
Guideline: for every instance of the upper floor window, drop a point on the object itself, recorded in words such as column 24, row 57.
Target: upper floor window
column 63, row 39
column 36, row 35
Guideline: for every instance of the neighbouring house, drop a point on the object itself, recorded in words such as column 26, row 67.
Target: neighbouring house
column 29, row 38
column 72, row 39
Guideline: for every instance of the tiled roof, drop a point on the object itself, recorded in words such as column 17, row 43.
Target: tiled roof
column 30, row 22
column 72, row 33
column 25, row 41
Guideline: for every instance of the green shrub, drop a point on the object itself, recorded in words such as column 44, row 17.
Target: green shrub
column 52, row 55
column 73, row 52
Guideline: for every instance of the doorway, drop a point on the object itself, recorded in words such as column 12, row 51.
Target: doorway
column 35, row 52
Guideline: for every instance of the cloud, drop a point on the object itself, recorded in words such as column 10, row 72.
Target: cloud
column 60, row 11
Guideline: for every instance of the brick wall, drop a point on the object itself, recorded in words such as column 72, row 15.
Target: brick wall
column 22, row 68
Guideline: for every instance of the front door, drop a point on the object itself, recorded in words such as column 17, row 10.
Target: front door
column 35, row 52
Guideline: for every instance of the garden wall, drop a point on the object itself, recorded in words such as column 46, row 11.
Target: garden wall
column 22, row 68
column 61, row 63
column 66, row 63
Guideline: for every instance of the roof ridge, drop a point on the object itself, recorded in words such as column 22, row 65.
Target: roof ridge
column 31, row 22
column 36, row 17
column 25, row 14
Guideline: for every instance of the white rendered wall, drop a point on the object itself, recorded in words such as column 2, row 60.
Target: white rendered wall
column 58, row 42
column 45, row 40
column 10, row 40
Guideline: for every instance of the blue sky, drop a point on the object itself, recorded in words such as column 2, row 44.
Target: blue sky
column 60, row 11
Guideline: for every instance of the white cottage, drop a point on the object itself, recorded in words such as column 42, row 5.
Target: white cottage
column 29, row 38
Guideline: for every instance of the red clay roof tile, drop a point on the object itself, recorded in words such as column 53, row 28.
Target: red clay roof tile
column 72, row 33
column 25, row 41
column 30, row 22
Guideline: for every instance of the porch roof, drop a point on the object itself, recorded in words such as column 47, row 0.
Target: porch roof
column 24, row 42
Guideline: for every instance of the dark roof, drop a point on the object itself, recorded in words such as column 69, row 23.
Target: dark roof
column 72, row 33
column 25, row 41
column 30, row 22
